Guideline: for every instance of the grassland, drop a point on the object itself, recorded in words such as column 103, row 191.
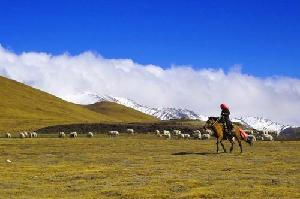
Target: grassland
column 25, row 108
column 144, row 166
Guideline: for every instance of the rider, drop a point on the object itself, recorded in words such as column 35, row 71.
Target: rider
column 225, row 118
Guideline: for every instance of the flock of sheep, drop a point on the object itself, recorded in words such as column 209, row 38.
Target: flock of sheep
column 264, row 136
column 196, row 134
column 24, row 135
column 179, row 135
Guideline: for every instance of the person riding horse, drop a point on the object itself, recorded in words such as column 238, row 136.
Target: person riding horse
column 226, row 121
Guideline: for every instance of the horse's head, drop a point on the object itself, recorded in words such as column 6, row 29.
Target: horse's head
column 210, row 122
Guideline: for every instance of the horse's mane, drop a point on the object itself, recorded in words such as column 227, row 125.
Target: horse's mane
column 213, row 118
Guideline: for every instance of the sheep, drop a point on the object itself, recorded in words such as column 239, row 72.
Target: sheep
column 22, row 135
column 205, row 136
column 185, row 136
column 113, row 133
column 26, row 134
column 268, row 137
column 209, row 132
column 90, row 134
column 130, row 131
column 61, row 135
column 73, row 135
column 196, row 134
column 176, row 132
column 265, row 132
column 34, row 134
column 259, row 137
column 8, row 135
column 166, row 134
column 157, row 132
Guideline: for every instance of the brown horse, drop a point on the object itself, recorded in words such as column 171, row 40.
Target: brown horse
column 217, row 127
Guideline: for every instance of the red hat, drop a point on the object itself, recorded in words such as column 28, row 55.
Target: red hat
column 224, row 106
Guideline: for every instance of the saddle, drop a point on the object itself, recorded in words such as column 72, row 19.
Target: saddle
column 227, row 132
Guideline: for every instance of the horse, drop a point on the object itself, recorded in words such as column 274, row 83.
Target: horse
column 217, row 127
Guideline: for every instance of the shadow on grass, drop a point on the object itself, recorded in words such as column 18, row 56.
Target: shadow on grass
column 192, row 153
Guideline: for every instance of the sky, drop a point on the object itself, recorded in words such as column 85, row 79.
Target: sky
column 190, row 54
column 260, row 35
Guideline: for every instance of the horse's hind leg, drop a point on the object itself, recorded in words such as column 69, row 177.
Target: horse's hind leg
column 232, row 143
column 240, row 144
column 223, row 146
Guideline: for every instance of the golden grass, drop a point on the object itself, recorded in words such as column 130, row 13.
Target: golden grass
column 144, row 166
column 25, row 108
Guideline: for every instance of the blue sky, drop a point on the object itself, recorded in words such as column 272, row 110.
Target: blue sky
column 263, row 36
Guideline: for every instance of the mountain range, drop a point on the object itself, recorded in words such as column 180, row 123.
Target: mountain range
column 258, row 123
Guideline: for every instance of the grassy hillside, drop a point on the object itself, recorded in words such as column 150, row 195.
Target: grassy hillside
column 25, row 108
column 124, row 113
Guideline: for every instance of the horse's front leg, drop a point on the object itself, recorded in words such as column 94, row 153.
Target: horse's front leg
column 223, row 146
column 217, row 145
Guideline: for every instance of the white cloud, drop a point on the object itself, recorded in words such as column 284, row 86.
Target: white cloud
column 201, row 90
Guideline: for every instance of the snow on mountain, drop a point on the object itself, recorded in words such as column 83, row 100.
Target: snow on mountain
column 161, row 113
column 262, row 124
column 258, row 123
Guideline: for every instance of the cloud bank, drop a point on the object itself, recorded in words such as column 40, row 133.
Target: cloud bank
column 201, row 90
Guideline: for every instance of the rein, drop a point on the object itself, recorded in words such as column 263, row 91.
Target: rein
column 212, row 125
column 215, row 122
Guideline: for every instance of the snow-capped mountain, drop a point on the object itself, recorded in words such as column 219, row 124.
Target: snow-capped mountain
column 161, row 113
column 258, row 123
column 262, row 124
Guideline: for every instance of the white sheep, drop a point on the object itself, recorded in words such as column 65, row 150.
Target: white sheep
column 26, row 134
column 197, row 134
column 113, row 133
column 90, row 134
column 22, row 135
column 166, row 134
column 73, row 135
column 205, row 136
column 157, row 132
column 8, row 135
column 130, row 131
column 32, row 135
column 61, row 134
column 185, row 136
column 209, row 132
column 176, row 132
column 268, row 138
column 181, row 136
